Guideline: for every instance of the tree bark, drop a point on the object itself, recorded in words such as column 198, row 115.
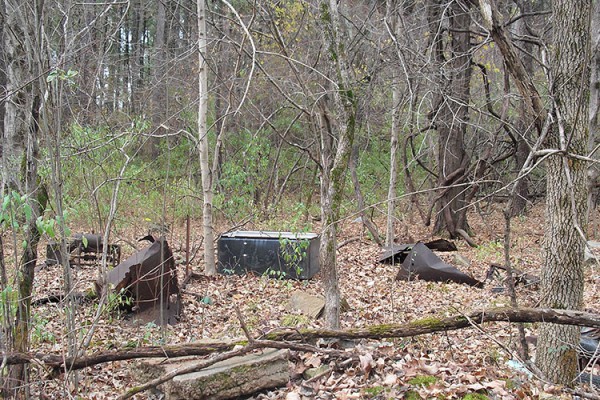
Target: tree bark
column 524, row 122
column 333, row 175
column 390, row 232
column 451, row 115
column 205, row 169
column 562, row 277
column 159, row 85
column 524, row 82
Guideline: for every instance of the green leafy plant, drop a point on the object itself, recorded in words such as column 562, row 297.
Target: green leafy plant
column 423, row 380
column 293, row 252
column 40, row 332
column 374, row 391
column 117, row 302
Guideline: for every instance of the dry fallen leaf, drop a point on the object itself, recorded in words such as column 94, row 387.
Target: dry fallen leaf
column 390, row 380
column 366, row 363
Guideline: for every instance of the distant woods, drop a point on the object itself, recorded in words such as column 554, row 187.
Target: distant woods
column 427, row 80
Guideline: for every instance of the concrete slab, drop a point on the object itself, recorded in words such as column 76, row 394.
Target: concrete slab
column 238, row 376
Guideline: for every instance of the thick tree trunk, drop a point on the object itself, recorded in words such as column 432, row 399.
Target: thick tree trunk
column 205, row 170
column 566, row 197
column 17, row 117
column 594, row 139
column 451, row 117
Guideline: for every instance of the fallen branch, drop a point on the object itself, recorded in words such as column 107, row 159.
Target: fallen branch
column 414, row 328
column 348, row 241
column 466, row 237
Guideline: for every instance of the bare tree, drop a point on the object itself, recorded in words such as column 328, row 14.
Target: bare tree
column 566, row 197
column 205, row 169
column 25, row 68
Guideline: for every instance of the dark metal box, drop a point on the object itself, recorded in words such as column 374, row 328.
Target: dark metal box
column 275, row 254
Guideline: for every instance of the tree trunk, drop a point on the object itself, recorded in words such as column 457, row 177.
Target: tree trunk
column 333, row 175
column 390, row 232
column 451, row 117
column 566, row 198
column 205, row 170
column 428, row 325
column 159, row 85
column 366, row 220
column 21, row 132
column 524, row 122
column 594, row 140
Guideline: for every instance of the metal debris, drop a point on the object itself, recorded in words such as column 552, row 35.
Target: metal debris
column 83, row 248
column 397, row 252
column 275, row 254
column 419, row 262
column 149, row 278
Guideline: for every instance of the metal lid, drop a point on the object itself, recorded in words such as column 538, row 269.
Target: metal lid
column 269, row 235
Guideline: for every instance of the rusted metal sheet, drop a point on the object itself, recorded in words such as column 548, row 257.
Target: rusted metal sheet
column 419, row 262
column 150, row 279
column 83, row 248
column 397, row 252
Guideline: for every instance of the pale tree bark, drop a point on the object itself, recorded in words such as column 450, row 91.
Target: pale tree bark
column 205, row 170
column 17, row 119
column 159, row 84
column 334, row 157
column 562, row 277
column 390, row 231
column 594, row 139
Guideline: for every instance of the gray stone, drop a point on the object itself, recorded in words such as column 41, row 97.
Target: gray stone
column 461, row 261
column 238, row 376
column 312, row 372
column 306, row 303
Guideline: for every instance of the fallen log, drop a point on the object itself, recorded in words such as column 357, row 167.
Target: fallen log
column 58, row 363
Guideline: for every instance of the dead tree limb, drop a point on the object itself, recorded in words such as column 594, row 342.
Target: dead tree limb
column 414, row 328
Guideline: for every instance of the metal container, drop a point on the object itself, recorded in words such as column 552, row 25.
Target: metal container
column 274, row 254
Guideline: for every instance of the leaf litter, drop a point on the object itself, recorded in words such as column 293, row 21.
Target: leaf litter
column 461, row 362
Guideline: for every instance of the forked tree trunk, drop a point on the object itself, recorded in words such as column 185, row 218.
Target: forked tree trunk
column 451, row 115
column 562, row 277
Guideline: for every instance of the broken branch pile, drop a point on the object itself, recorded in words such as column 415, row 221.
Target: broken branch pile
column 59, row 363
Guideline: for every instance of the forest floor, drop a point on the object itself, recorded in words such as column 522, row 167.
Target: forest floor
column 443, row 365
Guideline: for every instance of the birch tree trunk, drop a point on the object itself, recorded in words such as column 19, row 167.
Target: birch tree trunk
column 205, row 170
column 562, row 277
